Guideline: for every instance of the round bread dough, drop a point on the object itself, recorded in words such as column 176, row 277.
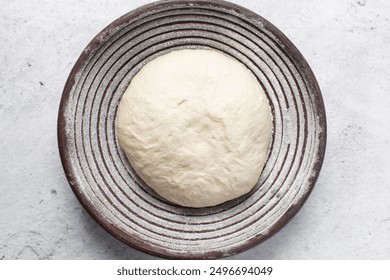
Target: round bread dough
column 195, row 125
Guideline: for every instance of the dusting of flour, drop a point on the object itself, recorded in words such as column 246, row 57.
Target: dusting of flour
column 195, row 125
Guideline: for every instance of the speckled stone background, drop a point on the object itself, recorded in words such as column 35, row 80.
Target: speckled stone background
column 347, row 44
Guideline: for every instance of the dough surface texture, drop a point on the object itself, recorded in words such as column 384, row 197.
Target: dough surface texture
column 195, row 125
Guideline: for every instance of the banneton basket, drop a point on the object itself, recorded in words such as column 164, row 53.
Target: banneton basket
column 107, row 186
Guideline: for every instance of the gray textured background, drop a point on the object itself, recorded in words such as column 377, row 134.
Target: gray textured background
column 347, row 44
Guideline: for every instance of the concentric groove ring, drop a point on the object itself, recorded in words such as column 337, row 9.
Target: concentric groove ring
column 108, row 187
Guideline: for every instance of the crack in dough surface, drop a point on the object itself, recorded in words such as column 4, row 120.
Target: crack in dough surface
column 195, row 125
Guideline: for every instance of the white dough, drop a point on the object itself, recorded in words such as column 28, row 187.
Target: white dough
column 195, row 126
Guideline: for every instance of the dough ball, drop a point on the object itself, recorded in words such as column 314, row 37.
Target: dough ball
column 195, row 125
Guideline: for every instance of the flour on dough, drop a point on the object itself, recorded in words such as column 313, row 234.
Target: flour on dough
column 195, row 125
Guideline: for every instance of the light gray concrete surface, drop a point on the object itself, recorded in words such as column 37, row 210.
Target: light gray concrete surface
column 347, row 44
